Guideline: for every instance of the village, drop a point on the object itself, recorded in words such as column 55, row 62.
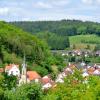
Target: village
column 25, row 76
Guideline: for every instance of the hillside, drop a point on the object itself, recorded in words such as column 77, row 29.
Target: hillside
column 14, row 43
column 85, row 34
column 53, row 40
column 84, row 41
column 63, row 27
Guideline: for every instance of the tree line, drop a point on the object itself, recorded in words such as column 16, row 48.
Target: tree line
column 63, row 27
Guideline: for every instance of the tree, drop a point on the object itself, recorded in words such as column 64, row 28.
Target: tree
column 10, row 81
column 2, row 87
column 97, row 47
column 25, row 92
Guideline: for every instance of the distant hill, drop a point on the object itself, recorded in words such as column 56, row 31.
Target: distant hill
column 56, row 33
column 14, row 42
column 63, row 27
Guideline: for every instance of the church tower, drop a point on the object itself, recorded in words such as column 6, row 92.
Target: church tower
column 24, row 66
column 23, row 79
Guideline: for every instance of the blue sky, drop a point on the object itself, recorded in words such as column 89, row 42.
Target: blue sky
column 23, row 10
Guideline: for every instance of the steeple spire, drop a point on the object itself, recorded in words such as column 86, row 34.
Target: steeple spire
column 24, row 72
column 24, row 66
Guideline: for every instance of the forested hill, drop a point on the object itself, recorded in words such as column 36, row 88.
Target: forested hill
column 14, row 42
column 63, row 27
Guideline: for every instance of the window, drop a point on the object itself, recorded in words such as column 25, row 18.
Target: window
column 12, row 72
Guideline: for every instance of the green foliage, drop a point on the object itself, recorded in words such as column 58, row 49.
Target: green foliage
column 97, row 47
column 53, row 40
column 11, row 58
column 63, row 27
column 92, row 59
column 14, row 43
column 84, row 41
column 75, row 89
column 10, row 81
column 57, row 32
column 1, row 80
column 1, row 94
column 41, row 70
column 1, row 86
column 25, row 92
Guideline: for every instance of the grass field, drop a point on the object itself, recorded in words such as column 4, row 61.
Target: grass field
column 84, row 41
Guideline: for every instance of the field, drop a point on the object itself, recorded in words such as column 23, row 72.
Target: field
column 84, row 41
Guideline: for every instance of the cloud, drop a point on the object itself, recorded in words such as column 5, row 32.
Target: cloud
column 4, row 10
column 50, row 9
column 87, row 1
column 91, row 2
column 42, row 5
column 60, row 2
column 51, row 3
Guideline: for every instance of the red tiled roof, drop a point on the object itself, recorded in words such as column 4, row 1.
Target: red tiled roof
column 45, row 80
column 1, row 70
column 32, row 75
column 91, row 70
column 72, row 66
column 8, row 67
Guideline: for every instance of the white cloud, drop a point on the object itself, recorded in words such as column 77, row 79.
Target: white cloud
column 42, row 5
column 60, row 2
column 51, row 3
column 87, row 1
column 4, row 11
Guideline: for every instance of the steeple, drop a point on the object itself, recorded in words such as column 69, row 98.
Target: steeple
column 24, row 66
column 24, row 79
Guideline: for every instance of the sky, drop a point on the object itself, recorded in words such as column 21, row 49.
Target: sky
column 37, row 10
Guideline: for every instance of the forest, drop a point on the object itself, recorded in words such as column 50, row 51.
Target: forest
column 63, row 27
column 59, row 32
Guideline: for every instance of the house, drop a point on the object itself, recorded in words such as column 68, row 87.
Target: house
column 47, row 86
column 78, row 52
column 47, row 82
column 60, row 78
column 62, row 75
column 97, row 53
column 28, row 77
column 1, row 70
column 91, row 70
column 33, row 76
column 85, row 74
column 83, row 64
column 96, row 72
column 12, row 69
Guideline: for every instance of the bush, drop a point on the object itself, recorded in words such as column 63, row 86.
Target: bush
column 25, row 92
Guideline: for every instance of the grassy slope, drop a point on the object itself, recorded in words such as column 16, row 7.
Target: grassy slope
column 81, row 41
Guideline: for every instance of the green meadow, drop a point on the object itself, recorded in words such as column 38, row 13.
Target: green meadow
column 84, row 41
